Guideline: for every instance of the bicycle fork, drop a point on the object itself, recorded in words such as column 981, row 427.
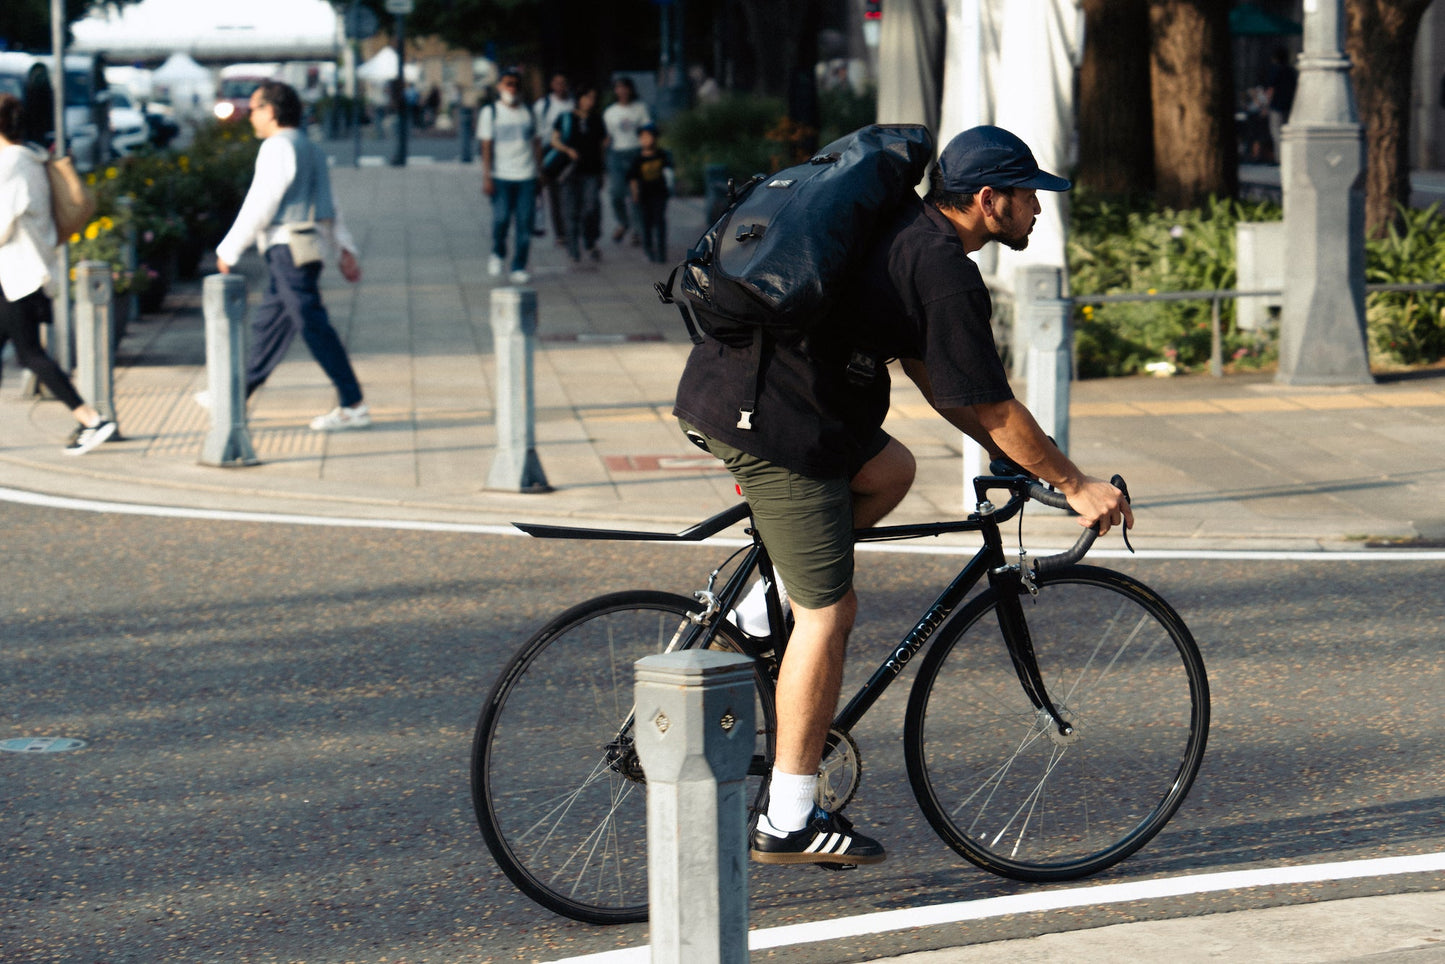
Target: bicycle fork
column 1010, row 585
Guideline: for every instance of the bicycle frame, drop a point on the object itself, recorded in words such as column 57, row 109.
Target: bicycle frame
column 988, row 562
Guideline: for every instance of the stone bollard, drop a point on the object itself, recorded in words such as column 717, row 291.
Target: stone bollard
column 1043, row 317
column 695, row 733
column 94, row 340
column 223, row 300
column 515, row 467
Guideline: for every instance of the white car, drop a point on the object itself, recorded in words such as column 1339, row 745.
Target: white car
column 129, row 131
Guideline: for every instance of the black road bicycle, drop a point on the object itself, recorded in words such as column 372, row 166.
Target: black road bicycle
column 1056, row 723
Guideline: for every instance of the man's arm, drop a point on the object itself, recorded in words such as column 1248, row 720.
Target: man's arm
column 1008, row 428
column 275, row 170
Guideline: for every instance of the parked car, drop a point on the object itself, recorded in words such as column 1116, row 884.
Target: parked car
column 233, row 97
column 129, row 131
column 87, row 124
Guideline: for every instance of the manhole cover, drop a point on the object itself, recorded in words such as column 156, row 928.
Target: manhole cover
column 41, row 744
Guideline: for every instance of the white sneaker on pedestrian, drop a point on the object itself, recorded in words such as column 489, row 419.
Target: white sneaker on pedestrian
column 88, row 438
column 494, row 266
column 520, row 277
column 203, row 398
column 342, row 418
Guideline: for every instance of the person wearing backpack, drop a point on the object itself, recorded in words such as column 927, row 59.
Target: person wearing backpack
column 810, row 455
column 579, row 134
column 28, row 271
column 510, row 150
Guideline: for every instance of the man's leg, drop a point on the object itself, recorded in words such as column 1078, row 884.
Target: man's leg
column 504, row 199
column 273, row 329
column 526, row 208
column 298, row 289
column 881, row 484
column 810, row 681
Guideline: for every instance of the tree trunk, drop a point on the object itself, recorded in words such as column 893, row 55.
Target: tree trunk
column 1192, row 84
column 1116, row 135
column 1381, row 45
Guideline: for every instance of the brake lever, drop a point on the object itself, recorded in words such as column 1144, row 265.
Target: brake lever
column 1118, row 482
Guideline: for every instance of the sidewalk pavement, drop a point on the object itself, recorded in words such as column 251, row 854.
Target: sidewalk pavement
column 1237, row 462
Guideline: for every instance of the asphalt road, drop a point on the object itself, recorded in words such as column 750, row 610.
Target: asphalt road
column 277, row 723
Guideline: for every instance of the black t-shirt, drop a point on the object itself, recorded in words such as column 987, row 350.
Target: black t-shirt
column 918, row 295
column 648, row 171
column 585, row 135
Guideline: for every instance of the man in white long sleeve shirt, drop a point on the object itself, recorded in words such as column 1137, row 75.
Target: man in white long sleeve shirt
column 290, row 216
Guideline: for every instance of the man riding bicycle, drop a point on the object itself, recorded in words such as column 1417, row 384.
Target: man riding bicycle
column 814, row 463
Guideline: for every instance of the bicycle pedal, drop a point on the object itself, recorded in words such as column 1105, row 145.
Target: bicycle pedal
column 836, row 866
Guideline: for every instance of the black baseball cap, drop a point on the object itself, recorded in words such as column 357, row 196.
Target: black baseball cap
column 990, row 156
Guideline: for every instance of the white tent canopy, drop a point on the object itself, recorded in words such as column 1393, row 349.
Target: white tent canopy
column 212, row 30
column 186, row 84
column 382, row 67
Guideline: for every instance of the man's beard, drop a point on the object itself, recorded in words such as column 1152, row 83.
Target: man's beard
column 1019, row 243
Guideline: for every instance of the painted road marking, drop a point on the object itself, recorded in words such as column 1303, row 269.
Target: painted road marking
column 959, row 911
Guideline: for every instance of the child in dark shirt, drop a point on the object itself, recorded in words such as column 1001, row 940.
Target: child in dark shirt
column 651, row 177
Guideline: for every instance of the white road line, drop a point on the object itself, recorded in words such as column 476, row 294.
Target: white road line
column 893, row 920
column 21, row 497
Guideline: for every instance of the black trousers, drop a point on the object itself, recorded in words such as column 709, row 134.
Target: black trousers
column 20, row 323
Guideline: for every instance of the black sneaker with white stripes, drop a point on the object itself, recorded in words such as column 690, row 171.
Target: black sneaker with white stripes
column 828, row 838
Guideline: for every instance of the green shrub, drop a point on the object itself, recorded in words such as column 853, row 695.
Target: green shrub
column 749, row 135
column 1130, row 246
column 732, row 132
column 1407, row 328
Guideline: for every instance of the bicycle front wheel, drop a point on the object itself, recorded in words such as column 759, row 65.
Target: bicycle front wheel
column 557, row 786
column 991, row 771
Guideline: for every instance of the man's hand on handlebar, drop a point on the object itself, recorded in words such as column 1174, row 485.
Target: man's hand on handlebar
column 1097, row 501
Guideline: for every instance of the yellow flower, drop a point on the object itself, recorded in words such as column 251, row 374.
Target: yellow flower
column 1088, row 311
column 72, row 274
column 150, row 182
column 92, row 230
column 183, row 162
column 75, row 239
column 90, row 179
column 1152, row 291
column 106, row 224
column 111, row 173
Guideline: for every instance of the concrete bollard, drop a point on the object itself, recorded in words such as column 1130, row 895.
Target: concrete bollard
column 695, row 733
column 94, row 339
column 515, row 467
column 1048, row 363
column 223, row 300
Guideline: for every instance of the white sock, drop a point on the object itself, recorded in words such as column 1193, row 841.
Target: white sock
column 790, row 801
column 751, row 613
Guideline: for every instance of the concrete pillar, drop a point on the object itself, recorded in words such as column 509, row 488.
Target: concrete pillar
column 695, row 733
column 1043, row 317
column 1322, row 338
column 223, row 300
column 515, row 467
column 94, row 340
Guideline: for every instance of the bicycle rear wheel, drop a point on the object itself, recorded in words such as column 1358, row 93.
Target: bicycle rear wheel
column 557, row 787
column 992, row 773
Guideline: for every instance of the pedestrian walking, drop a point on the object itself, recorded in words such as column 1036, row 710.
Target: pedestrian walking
column 651, row 180
column 579, row 134
column 548, row 108
column 292, row 219
column 510, row 149
column 622, row 120
column 28, row 271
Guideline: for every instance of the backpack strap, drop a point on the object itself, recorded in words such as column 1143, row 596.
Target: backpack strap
column 664, row 295
column 749, row 405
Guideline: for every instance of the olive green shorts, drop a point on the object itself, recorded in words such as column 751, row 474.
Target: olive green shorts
column 806, row 522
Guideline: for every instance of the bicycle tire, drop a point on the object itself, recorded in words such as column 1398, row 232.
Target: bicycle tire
column 991, row 772
column 566, row 823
